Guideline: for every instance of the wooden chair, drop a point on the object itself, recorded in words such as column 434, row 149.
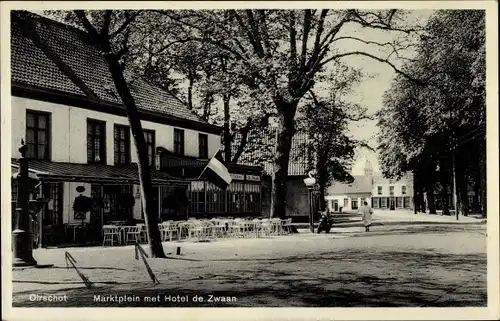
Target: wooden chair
column 110, row 232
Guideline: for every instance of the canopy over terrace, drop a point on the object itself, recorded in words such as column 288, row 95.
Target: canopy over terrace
column 48, row 171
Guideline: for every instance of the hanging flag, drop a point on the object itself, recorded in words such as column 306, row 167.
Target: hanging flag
column 217, row 173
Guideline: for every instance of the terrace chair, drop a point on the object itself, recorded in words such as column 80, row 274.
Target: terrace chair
column 266, row 228
column 276, row 226
column 286, row 226
column 109, row 233
column 143, row 236
column 167, row 229
column 134, row 233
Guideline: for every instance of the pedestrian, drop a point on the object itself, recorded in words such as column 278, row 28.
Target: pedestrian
column 367, row 215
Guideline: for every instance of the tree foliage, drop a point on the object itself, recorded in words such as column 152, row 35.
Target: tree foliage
column 115, row 33
column 423, row 125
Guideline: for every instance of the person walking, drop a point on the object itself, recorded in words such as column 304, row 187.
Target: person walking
column 367, row 212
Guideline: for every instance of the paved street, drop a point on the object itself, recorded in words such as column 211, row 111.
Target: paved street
column 406, row 265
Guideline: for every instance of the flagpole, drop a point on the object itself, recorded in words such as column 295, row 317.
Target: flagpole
column 218, row 150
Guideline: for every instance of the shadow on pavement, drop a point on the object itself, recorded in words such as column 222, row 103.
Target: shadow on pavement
column 267, row 283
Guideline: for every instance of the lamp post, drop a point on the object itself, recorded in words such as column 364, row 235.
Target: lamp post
column 310, row 182
column 275, row 125
column 22, row 243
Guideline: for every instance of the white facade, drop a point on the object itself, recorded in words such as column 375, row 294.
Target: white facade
column 68, row 133
column 68, row 141
column 392, row 194
column 348, row 202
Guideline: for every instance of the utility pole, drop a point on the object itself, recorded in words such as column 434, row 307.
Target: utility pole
column 454, row 177
column 274, row 122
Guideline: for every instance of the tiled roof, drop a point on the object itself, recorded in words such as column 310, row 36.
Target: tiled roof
column 379, row 179
column 31, row 66
column 47, row 170
column 297, row 164
column 361, row 184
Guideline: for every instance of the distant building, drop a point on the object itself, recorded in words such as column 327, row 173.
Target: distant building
column 379, row 192
column 351, row 196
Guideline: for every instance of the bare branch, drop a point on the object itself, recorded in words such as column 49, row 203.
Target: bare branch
column 362, row 143
column 384, row 44
column 265, row 34
column 293, row 42
column 244, row 138
column 128, row 20
column 255, row 31
column 319, row 30
column 378, row 22
column 87, row 25
column 107, row 21
column 305, row 37
column 361, row 53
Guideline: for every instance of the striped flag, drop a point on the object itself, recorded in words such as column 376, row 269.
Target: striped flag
column 217, row 173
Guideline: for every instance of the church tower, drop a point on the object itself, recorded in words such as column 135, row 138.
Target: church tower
column 368, row 170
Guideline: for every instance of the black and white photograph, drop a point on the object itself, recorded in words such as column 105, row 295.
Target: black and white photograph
column 248, row 154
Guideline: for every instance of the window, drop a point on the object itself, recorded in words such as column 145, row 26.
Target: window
column 346, row 202
column 179, row 142
column 38, row 135
column 354, row 204
column 96, row 142
column 403, row 190
column 203, row 146
column 122, row 145
column 391, row 190
column 383, row 202
column 149, row 137
column 379, row 190
column 376, row 202
column 399, row 202
column 53, row 213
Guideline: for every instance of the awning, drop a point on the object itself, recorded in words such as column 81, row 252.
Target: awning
column 48, row 171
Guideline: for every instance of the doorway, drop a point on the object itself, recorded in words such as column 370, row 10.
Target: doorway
column 335, row 206
column 392, row 203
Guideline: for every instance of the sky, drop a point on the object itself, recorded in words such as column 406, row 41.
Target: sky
column 378, row 79
column 370, row 91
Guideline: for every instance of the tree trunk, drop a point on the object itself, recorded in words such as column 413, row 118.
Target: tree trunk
column 444, row 184
column 462, row 187
column 147, row 197
column 285, row 134
column 227, row 129
column 482, row 174
column 190, row 92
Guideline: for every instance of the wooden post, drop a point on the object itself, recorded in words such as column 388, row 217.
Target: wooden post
column 40, row 220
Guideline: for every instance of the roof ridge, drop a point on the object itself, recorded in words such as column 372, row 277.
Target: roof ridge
column 85, row 61
column 52, row 21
